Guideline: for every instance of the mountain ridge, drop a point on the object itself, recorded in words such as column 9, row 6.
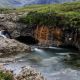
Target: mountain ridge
column 19, row 3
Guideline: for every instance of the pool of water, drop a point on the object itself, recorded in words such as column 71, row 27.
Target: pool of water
column 49, row 61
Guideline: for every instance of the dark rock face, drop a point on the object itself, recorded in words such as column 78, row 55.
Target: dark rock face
column 72, row 37
column 27, row 40
column 58, row 36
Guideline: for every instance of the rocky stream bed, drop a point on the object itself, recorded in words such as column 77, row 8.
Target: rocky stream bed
column 54, row 63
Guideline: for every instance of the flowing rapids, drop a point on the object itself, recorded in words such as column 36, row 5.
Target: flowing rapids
column 49, row 61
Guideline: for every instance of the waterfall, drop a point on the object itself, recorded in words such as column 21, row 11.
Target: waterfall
column 2, row 35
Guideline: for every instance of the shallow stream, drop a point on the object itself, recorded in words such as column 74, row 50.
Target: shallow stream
column 50, row 62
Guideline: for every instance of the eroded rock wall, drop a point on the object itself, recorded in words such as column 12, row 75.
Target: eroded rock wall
column 48, row 36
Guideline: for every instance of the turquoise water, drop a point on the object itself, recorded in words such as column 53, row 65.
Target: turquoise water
column 50, row 62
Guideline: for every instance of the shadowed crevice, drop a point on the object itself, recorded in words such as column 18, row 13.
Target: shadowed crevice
column 27, row 40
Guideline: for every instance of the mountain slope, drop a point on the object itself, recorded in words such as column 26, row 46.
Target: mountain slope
column 9, row 3
column 17, row 3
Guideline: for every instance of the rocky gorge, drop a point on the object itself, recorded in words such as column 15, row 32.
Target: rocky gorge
column 23, row 34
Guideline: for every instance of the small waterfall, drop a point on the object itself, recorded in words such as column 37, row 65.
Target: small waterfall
column 5, row 34
column 41, row 52
column 38, row 50
column 1, row 35
column 55, row 48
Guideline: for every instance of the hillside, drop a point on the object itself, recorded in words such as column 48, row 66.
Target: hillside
column 66, row 7
column 69, row 12
column 9, row 3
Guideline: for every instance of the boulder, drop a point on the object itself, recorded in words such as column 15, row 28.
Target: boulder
column 11, row 47
column 28, row 73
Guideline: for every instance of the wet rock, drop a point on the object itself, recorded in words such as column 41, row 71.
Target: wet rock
column 11, row 47
column 28, row 73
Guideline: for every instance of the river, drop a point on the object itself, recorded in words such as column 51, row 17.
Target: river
column 50, row 62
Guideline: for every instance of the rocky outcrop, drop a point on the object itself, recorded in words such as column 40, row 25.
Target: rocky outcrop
column 46, row 35
column 11, row 47
column 28, row 73
column 16, row 28
column 10, row 22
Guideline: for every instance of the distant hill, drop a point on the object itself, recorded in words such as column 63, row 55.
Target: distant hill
column 18, row 3
column 9, row 3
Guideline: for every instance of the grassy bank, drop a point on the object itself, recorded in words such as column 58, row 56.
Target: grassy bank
column 61, row 15
column 61, row 8
column 5, row 76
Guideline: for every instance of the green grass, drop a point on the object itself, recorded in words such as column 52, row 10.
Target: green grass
column 66, row 7
column 5, row 76
column 61, row 8
column 6, row 10
column 62, row 15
